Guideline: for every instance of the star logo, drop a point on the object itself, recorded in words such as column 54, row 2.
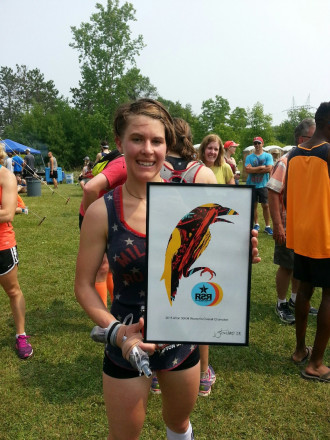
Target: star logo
column 129, row 242
column 115, row 257
column 109, row 197
column 175, row 361
column 117, row 297
column 203, row 289
column 126, row 283
column 142, row 293
column 115, row 227
column 134, row 270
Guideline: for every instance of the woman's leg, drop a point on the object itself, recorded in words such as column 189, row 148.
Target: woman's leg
column 126, row 405
column 10, row 284
column 179, row 395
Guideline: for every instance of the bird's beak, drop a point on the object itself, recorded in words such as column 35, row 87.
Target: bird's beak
column 229, row 212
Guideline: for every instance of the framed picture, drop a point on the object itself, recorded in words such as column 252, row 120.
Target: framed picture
column 199, row 263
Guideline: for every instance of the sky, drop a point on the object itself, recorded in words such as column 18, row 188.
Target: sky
column 271, row 51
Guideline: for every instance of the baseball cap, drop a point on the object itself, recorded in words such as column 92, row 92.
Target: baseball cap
column 27, row 149
column 86, row 158
column 258, row 139
column 229, row 144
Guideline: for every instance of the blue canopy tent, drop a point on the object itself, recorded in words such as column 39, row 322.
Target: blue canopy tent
column 11, row 146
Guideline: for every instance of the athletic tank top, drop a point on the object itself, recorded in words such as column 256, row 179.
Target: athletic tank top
column 308, row 202
column 180, row 173
column 126, row 251
column 7, row 234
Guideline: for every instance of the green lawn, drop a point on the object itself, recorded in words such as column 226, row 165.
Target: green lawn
column 58, row 393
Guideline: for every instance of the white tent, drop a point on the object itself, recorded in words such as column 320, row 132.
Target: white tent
column 288, row 148
column 273, row 148
column 248, row 149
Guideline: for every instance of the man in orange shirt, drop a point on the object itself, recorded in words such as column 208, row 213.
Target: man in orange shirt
column 308, row 234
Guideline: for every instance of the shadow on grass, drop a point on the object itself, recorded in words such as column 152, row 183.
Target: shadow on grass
column 58, row 318
column 62, row 382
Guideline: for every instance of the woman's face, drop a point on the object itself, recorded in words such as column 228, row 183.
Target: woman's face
column 144, row 147
column 211, row 153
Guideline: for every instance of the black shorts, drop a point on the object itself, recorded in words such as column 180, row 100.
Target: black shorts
column 53, row 174
column 312, row 270
column 113, row 370
column 283, row 256
column 261, row 195
column 8, row 260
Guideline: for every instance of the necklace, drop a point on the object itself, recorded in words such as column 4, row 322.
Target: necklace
column 136, row 197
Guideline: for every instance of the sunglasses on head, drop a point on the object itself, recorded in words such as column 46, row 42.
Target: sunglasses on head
column 256, row 143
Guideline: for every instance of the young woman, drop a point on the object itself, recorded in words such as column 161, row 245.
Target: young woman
column 117, row 222
column 181, row 159
column 143, row 131
column 9, row 257
column 211, row 152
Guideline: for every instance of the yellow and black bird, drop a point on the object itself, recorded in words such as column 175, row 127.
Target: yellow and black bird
column 188, row 241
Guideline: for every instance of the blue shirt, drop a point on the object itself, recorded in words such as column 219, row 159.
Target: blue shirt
column 258, row 180
column 17, row 161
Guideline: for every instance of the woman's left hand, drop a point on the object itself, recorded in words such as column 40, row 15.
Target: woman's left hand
column 254, row 241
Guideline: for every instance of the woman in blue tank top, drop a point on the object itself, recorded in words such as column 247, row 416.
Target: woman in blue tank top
column 117, row 222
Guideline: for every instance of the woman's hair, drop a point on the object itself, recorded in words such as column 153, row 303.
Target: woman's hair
column 2, row 152
column 183, row 145
column 207, row 140
column 146, row 107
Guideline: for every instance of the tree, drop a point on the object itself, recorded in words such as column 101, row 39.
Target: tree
column 20, row 90
column 214, row 113
column 133, row 85
column 258, row 124
column 285, row 131
column 106, row 49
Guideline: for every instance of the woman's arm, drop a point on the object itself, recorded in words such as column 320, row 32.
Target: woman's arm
column 9, row 196
column 93, row 240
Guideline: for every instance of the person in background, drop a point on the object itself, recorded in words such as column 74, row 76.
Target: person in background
column 9, row 257
column 112, row 175
column 104, row 151
column 21, row 184
column 9, row 162
column 230, row 150
column 53, row 169
column 307, row 233
column 86, row 174
column 283, row 256
column 28, row 164
column 258, row 165
column 18, row 164
column 211, row 153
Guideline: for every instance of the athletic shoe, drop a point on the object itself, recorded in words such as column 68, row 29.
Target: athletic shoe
column 268, row 230
column 24, row 349
column 212, row 375
column 206, row 383
column 284, row 313
column 155, row 388
column 312, row 310
column 256, row 227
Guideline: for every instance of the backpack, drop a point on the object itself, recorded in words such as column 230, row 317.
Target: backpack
column 187, row 175
column 104, row 161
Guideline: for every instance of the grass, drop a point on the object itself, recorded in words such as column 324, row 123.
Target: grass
column 58, row 393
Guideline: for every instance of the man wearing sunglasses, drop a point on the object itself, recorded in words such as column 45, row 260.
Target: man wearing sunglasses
column 258, row 166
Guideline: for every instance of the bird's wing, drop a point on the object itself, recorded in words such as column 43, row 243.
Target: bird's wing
column 172, row 248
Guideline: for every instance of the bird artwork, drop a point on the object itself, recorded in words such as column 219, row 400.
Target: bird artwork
column 188, row 241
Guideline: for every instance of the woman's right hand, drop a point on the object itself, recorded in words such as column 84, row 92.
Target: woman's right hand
column 134, row 331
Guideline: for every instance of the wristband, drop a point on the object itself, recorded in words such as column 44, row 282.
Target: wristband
column 112, row 332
